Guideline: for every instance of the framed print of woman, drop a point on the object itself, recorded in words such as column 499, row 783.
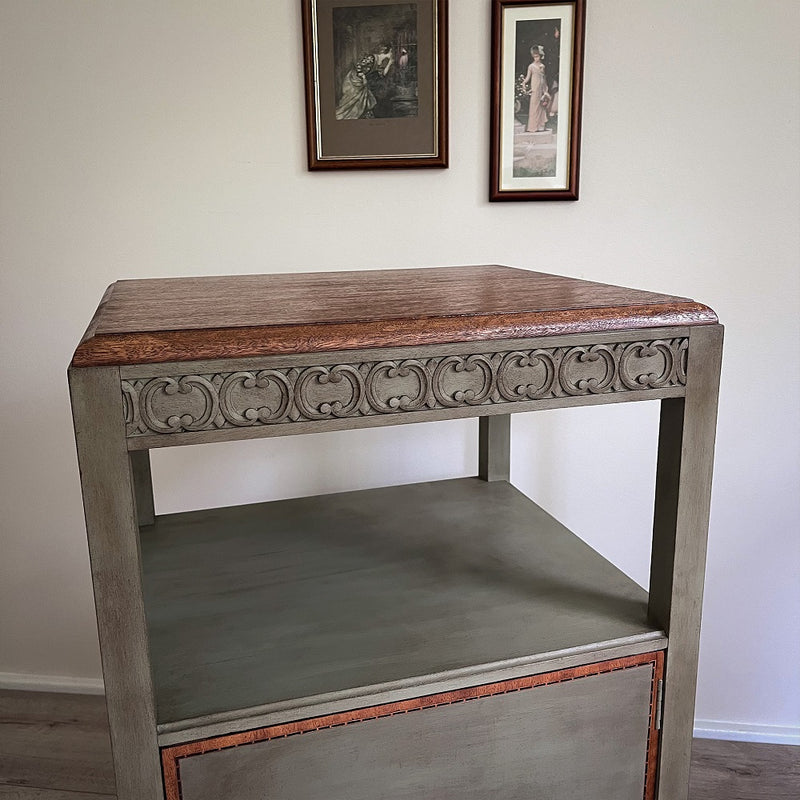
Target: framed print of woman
column 537, row 77
column 376, row 83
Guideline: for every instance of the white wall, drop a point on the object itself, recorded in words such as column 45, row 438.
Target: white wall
column 167, row 138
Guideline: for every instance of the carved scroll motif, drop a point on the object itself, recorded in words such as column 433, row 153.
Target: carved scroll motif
column 538, row 365
column 386, row 392
column 187, row 403
column 459, row 380
column 241, row 405
column 183, row 403
column 315, row 399
column 588, row 370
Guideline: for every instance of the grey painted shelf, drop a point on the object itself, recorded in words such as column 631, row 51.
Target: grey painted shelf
column 289, row 603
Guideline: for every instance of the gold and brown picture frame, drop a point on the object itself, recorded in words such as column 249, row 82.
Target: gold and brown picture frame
column 537, row 77
column 376, row 83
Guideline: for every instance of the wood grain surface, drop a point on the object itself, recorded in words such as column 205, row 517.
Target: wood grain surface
column 178, row 319
column 172, row 756
column 47, row 740
column 682, row 505
column 111, row 528
column 744, row 771
column 412, row 584
column 53, row 743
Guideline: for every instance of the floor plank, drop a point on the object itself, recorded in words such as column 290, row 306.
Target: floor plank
column 26, row 793
column 56, row 747
column 744, row 771
column 54, row 742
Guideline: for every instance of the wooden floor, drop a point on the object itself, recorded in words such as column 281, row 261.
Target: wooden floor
column 55, row 747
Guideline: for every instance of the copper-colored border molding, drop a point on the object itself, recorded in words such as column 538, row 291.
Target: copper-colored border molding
column 651, row 768
column 171, row 756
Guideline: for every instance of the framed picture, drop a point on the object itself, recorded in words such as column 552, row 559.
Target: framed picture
column 537, row 76
column 376, row 83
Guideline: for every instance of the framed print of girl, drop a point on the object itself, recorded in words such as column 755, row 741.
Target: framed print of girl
column 537, row 48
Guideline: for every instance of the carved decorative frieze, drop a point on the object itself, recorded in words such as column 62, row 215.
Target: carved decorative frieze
column 185, row 403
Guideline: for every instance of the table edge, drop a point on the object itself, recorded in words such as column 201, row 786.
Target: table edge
column 153, row 347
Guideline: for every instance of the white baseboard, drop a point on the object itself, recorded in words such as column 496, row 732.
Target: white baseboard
column 50, row 683
column 745, row 732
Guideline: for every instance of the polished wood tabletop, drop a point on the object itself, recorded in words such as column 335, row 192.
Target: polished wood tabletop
column 238, row 316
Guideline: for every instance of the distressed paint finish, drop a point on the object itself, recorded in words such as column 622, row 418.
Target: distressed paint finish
column 112, row 530
column 176, row 362
column 65, row 741
column 494, row 448
column 680, row 530
column 394, row 588
column 436, row 751
column 410, row 384
column 143, row 487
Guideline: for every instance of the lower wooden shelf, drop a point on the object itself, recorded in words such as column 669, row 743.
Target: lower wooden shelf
column 296, row 608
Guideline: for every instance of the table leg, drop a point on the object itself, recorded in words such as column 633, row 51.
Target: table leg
column 143, row 486
column 112, row 530
column 494, row 447
column 683, row 495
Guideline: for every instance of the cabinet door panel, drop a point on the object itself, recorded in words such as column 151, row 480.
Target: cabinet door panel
column 586, row 737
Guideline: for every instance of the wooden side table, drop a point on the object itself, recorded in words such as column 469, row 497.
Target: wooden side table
column 445, row 639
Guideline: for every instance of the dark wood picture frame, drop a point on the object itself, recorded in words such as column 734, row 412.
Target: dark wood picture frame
column 537, row 81
column 376, row 83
